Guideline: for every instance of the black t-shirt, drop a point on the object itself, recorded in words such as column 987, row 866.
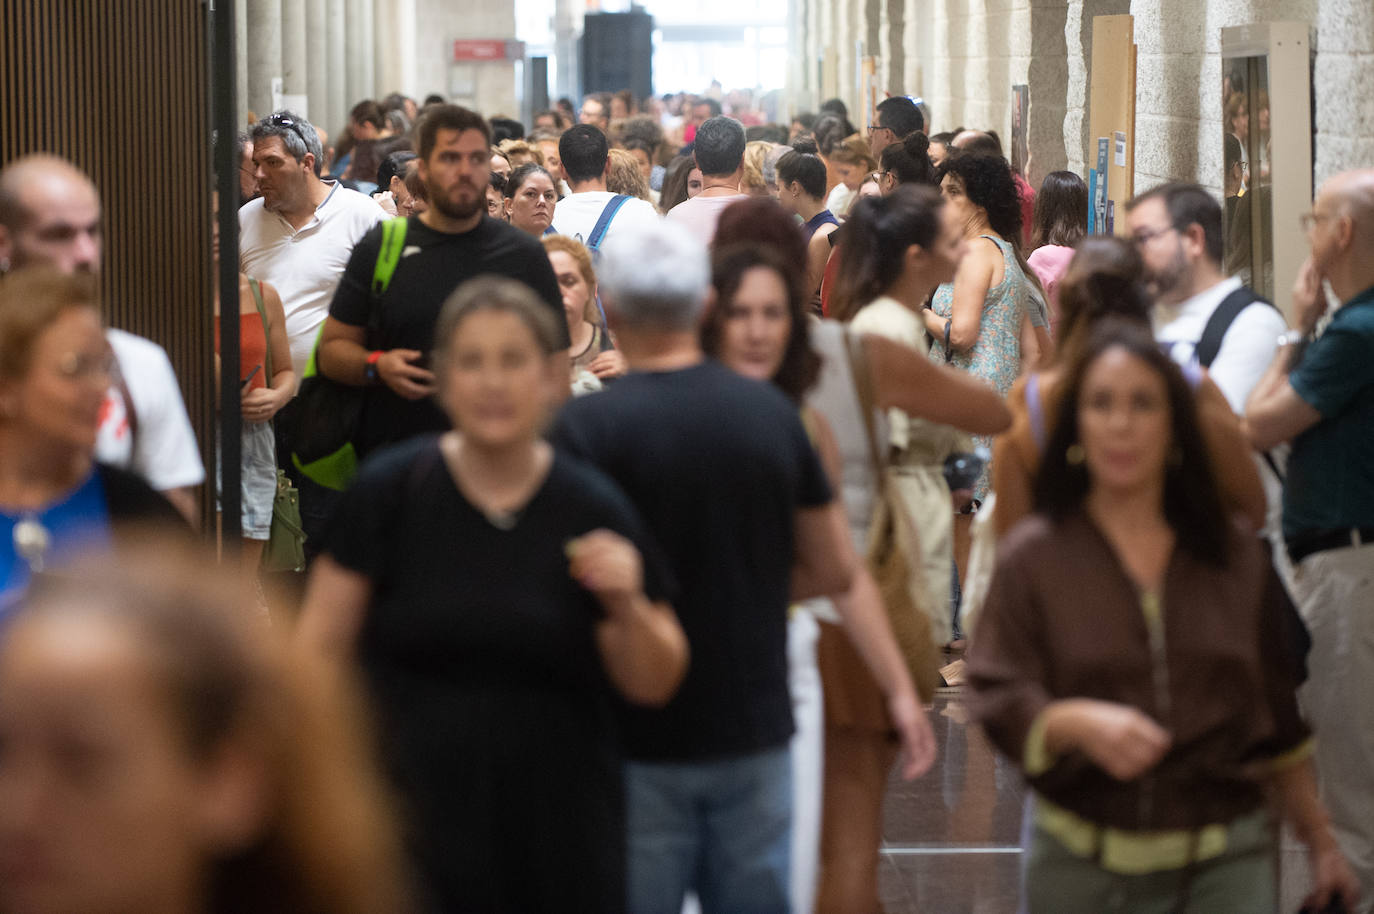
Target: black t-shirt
column 497, row 720
column 718, row 466
column 432, row 265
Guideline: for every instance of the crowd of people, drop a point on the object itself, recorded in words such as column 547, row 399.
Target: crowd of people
column 653, row 465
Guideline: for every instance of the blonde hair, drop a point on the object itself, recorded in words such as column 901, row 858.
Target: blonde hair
column 754, row 154
column 853, row 150
column 512, row 148
column 31, row 301
column 625, row 176
column 583, row 258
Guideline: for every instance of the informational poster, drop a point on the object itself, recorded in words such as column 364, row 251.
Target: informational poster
column 1020, row 139
column 1100, row 198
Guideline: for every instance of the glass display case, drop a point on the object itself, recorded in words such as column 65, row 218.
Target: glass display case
column 1266, row 153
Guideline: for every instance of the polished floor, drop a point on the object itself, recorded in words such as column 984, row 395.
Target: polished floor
column 952, row 838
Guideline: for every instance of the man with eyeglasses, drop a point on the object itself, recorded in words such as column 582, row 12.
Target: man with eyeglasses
column 894, row 119
column 299, row 233
column 1319, row 394
column 50, row 214
column 1202, row 316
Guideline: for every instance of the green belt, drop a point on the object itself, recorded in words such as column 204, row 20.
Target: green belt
column 1136, row 853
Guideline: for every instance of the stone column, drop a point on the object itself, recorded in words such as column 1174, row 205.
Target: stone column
column 317, row 62
column 293, row 51
column 241, row 60
column 360, row 83
column 264, row 53
column 336, row 109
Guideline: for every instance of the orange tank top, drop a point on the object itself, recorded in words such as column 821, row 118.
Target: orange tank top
column 252, row 349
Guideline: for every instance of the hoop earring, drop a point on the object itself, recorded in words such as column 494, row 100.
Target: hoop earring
column 1074, row 455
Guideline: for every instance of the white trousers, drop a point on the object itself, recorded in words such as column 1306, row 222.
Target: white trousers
column 808, row 757
column 1334, row 590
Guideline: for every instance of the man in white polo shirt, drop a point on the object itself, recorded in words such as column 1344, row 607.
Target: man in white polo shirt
column 298, row 235
column 586, row 160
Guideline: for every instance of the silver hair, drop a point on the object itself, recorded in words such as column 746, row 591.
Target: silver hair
column 656, row 279
column 297, row 134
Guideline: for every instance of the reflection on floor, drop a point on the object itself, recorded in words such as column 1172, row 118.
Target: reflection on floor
column 952, row 839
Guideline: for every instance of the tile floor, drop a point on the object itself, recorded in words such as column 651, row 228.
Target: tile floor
column 952, row 838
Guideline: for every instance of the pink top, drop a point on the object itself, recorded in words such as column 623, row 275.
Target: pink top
column 1049, row 263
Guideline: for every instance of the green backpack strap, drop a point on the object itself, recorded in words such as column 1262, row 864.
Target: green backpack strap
column 393, row 241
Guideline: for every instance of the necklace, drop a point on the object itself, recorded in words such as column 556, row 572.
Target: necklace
column 31, row 541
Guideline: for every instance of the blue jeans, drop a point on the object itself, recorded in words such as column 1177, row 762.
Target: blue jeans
column 722, row 828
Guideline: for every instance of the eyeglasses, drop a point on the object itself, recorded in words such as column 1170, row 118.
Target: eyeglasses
column 281, row 120
column 76, row 366
column 1309, row 219
column 874, row 127
column 1140, row 239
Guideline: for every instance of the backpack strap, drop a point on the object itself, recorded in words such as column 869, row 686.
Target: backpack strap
column 1220, row 322
column 603, row 222
column 256, row 288
column 393, row 242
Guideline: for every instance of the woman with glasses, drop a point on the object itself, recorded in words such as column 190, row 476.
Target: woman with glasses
column 56, row 371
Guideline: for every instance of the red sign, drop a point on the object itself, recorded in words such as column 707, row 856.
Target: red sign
column 479, row 49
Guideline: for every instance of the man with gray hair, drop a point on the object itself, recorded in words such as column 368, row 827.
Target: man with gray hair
column 1318, row 394
column 719, row 152
column 726, row 479
column 299, row 233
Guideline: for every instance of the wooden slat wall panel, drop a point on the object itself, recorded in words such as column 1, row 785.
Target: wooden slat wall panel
column 121, row 90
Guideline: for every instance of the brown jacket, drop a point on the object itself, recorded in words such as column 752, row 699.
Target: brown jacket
column 1063, row 620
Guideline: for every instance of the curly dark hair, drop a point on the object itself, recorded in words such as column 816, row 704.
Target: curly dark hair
column 988, row 183
column 801, row 365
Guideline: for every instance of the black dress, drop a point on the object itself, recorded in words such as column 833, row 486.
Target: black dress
column 497, row 719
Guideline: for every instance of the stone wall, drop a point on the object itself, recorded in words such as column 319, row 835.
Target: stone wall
column 963, row 56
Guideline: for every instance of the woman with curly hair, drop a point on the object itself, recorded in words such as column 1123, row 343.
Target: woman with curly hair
column 977, row 321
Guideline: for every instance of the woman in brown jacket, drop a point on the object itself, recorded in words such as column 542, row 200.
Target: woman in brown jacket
column 1132, row 659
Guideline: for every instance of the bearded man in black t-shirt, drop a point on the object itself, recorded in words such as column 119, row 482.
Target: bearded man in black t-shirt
column 722, row 471
column 454, row 240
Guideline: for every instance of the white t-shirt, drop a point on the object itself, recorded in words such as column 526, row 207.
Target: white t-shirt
column 699, row 215
column 165, row 453
column 1246, row 351
column 305, row 265
column 576, row 216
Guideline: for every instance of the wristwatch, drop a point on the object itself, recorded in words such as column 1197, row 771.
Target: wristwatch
column 370, row 369
column 1291, row 338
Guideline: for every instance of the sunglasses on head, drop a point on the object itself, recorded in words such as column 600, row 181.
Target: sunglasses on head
column 281, row 120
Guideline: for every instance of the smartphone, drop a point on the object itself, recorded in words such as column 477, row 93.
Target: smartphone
column 243, row 385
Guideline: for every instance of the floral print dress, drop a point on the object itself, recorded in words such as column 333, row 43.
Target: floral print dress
column 996, row 356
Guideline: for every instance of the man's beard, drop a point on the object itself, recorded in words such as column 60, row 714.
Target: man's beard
column 1162, row 283
column 456, row 209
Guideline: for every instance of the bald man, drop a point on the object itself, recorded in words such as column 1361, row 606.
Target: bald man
column 50, row 214
column 1319, row 394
